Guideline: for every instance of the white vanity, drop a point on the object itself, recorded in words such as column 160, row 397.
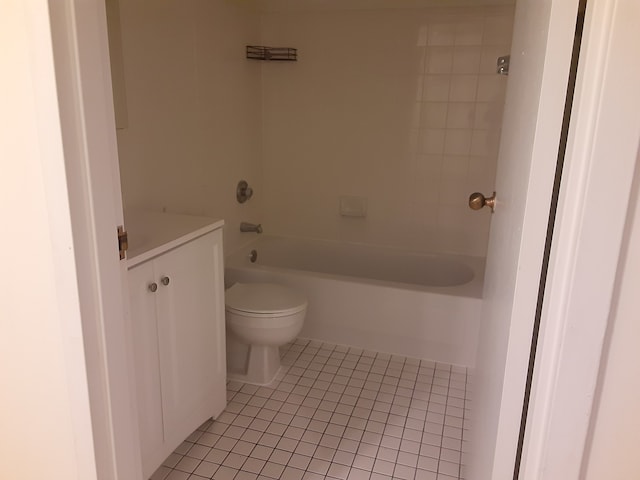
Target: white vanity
column 176, row 286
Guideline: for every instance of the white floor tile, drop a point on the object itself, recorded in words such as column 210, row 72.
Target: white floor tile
column 177, row 475
column 187, row 464
column 291, row 473
column 334, row 412
column 206, row 469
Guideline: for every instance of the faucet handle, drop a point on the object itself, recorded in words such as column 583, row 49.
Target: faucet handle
column 243, row 191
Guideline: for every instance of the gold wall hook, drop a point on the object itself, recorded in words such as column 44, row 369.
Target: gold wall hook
column 478, row 200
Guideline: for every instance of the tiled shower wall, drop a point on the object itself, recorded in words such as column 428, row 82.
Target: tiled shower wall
column 399, row 106
column 192, row 126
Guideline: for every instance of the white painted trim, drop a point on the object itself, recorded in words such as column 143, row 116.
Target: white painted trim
column 47, row 429
column 328, row 5
column 600, row 160
column 83, row 78
column 541, row 56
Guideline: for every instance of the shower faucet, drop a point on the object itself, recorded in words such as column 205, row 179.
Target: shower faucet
column 250, row 227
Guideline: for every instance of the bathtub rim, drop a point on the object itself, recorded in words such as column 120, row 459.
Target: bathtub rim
column 473, row 289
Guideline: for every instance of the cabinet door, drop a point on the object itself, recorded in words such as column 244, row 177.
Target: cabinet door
column 142, row 304
column 191, row 335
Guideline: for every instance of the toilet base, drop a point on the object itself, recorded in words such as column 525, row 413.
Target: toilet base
column 262, row 366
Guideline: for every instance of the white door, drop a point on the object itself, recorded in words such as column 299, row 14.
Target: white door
column 540, row 61
column 84, row 95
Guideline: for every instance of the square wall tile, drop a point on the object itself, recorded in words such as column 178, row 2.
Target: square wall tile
column 457, row 142
column 436, row 88
column 434, row 114
column 498, row 30
column 433, row 141
column 463, row 88
column 488, row 115
column 440, row 60
column 485, row 143
column 461, row 115
column 441, row 34
column 491, row 88
column 466, row 59
column 469, row 33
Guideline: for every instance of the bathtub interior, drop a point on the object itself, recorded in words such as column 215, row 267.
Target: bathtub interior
column 365, row 263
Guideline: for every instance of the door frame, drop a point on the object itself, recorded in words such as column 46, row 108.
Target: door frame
column 569, row 295
column 87, row 128
column 600, row 161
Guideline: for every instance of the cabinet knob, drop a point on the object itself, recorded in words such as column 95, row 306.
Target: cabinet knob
column 153, row 287
column 165, row 280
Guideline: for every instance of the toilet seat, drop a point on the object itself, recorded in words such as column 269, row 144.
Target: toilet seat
column 264, row 299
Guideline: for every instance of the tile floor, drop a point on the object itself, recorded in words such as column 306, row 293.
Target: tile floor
column 334, row 412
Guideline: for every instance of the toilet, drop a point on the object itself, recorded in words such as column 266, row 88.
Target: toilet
column 260, row 318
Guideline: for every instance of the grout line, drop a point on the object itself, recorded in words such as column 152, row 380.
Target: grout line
column 464, row 409
column 395, row 376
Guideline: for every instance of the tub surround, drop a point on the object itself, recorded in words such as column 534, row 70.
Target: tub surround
column 401, row 107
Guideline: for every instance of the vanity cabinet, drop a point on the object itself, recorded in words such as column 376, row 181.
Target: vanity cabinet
column 177, row 324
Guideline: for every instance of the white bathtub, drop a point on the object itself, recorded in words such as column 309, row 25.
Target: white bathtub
column 423, row 306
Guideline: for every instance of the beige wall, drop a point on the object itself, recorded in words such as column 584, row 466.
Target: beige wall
column 615, row 436
column 193, row 109
column 400, row 106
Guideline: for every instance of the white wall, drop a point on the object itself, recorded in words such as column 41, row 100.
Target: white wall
column 193, row 109
column 615, row 435
column 44, row 403
column 401, row 106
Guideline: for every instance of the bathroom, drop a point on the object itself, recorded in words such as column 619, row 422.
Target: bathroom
column 68, row 409
column 395, row 113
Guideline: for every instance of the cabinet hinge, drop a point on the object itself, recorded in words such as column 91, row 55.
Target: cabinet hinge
column 123, row 241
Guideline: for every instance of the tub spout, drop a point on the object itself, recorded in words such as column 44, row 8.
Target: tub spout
column 250, row 227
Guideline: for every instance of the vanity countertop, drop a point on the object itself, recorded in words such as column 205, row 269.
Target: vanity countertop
column 153, row 233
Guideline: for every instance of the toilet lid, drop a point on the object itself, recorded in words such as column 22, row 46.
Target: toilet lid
column 266, row 298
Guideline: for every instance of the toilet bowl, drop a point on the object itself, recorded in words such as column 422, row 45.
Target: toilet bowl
column 260, row 318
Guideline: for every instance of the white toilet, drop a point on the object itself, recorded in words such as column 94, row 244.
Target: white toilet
column 260, row 318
